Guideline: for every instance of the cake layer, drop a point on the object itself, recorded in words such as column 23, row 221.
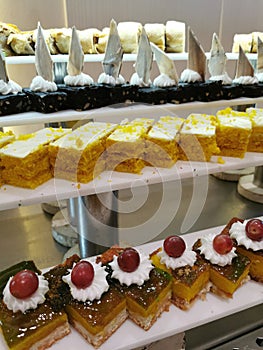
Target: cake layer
column 255, row 143
column 25, row 161
column 162, row 142
column 126, row 146
column 79, row 156
column 232, row 135
column 198, row 138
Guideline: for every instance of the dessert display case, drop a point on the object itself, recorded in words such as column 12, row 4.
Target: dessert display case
column 174, row 321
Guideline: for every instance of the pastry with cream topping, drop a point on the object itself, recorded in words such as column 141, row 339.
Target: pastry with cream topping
column 147, row 289
column 228, row 268
column 96, row 309
column 190, row 274
column 255, row 143
column 28, row 320
column 248, row 235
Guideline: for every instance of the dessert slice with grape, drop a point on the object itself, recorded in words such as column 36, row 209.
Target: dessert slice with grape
column 228, row 269
column 190, row 273
column 28, row 320
column 96, row 310
column 147, row 289
column 248, row 235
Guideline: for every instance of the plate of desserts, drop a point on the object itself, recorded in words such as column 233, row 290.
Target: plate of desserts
column 128, row 297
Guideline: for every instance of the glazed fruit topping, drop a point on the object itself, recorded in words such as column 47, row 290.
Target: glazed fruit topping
column 222, row 244
column 174, row 246
column 82, row 274
column 129, row 260
column 23, row 284
column 254, row 229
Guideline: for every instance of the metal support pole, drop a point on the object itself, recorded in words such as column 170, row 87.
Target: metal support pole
column 97, row 222
column 60, row 71
column 258, row 176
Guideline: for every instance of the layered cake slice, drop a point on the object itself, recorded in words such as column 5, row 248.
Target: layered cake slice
column 80, row 155
column 5, row 138
column 96, row 310
column 255, row 143
column 126, row 146
column 28, row 321
column 248, row 235
column 147, row 289
column 162, row 142
column 198, row 138
column 232, row 135
column 25, row 161
column 190, row 273
column 228, row 268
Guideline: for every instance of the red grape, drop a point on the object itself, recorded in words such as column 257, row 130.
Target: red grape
column 174, row 246
column 82, row 274
column 222, row 244
column 23, row 284
column 129, row 260
column 254, row 229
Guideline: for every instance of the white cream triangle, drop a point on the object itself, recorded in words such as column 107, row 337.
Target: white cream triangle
column 76, row 55
column 196, row 55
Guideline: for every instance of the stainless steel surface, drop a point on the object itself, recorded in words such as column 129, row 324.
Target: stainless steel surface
column 258, row 176
column 25, row 232
column 97, row 223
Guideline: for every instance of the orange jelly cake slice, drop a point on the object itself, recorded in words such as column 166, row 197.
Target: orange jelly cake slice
column 198, row 138
column 80, row 155
column 96, row 310
column 248, row 235
column 126, row 146
column 25, row 161
column 228, row 268
column 27, row 319
column 162, row 142
column 147, row 289
column 189, row 272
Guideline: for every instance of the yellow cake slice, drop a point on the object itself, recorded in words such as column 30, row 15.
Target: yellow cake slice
column 126, row 146
column 25, row 161
column 232, row 134
column 198, row 138
column 5, row 138
column 79, row 156
column 162, row 142
column 255, row 143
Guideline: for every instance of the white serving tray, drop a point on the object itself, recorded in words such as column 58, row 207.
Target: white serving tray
column 58, row 189
column 130, row 336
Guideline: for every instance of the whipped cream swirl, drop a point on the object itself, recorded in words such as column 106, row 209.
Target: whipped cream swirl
column 38, row 297
column 110, row 80
column 98, row 286
column 10, row 87
column 190, row 76
column 40, row 84
column 238, row 232
column 187, row 258
column 259, row 77
column 211, row 255
column 139, row 276
column 163, row 80
column 225, row 78
column 136, row 80
column 246, row 80
column 81, row 79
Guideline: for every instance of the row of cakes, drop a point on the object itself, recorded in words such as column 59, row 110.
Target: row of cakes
column 82, row 154
column 169, row 37
column 96, row 295
column 79, row 91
